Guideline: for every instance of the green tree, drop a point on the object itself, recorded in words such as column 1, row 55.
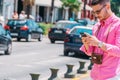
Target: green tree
column 115, row 5
column 74, row 5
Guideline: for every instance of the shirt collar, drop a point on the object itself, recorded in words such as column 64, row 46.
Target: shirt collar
column 108, row 20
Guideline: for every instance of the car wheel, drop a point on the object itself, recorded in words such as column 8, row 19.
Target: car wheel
column 9, row 49
column 28, row 38
column 66, row 53
column 40, row 38
column 52, row 41
column 18, row 39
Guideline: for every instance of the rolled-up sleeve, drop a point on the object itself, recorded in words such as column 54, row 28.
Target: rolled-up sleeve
column 90, row 50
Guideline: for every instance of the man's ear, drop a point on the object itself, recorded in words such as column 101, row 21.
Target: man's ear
column 108, row 6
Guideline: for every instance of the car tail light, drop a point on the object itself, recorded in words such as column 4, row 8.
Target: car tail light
column 66, row 39
column 6, row 27
column 67, row 31
column 24, row 28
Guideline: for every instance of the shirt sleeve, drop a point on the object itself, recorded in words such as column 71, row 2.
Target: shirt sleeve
column 90, row 50
column 114, row 50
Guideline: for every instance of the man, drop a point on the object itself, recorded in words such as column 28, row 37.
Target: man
column 15, row 15
column 104, row 44
column 22, row 15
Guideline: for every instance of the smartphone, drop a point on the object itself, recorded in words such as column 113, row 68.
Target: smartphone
column 83, row 35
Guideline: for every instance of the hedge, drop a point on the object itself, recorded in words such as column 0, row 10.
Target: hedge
column 45, row 27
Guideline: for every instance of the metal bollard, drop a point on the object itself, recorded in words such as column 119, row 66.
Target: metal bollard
column 81, row 68
column 54, row 74
column 69, row 73
column 90, row 66
column 34, row 76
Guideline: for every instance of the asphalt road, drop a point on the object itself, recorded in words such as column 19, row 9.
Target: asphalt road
column 35, row 57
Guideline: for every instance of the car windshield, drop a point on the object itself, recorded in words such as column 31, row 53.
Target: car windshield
column 16, row 22
column 70, row 26
column 62, row 25
column 77, row 31
column 85, row 21
column 31, row 24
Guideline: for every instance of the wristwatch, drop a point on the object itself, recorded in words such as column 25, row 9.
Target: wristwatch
column 100, row 44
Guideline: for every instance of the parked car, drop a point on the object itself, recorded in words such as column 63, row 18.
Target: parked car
column 72, row 41
column 60, row 30
column 5, row 41
column 24, row 29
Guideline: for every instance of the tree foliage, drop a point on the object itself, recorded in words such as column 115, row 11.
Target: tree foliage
column 115, row 5
column 72, row 4
column 29, row 2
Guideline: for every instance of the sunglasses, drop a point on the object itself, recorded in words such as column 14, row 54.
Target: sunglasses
column 98, row 11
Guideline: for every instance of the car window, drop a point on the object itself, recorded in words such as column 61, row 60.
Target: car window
column 81, row 30
column 2, row 31
column 83, row 22
column 31, row 24
column 10, row 22
column 16, row 22
column 60, row 25
column 63, row 25
column 70, row 26
column 20, row 22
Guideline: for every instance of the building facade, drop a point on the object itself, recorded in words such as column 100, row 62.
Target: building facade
column 43, row 8
column 6, row 8
column 48, row 12
column 86, row 12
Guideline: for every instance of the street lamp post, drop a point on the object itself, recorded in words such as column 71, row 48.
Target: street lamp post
column 52, row 11
column 84, row 8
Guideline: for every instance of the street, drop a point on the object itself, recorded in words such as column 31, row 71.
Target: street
column 35, row 57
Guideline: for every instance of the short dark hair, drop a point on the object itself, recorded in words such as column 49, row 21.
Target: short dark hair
column 102, row 2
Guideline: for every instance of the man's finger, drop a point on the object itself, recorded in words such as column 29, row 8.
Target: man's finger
column 88, row 35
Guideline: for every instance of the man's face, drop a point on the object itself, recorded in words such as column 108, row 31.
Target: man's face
column 99, row 11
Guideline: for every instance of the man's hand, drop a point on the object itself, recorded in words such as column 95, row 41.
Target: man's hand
column 90, row 40
column 85, row 41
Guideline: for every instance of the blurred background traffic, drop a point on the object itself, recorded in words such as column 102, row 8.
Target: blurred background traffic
column 31, row 19
column 48, row 22
column 51, row 11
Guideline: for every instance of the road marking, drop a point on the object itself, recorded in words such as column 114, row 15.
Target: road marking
column 81, row 76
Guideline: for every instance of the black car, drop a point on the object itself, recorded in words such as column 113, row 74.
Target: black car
column 5, row 41
column 59, row 31
column 72, row 41
column 24, row 29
